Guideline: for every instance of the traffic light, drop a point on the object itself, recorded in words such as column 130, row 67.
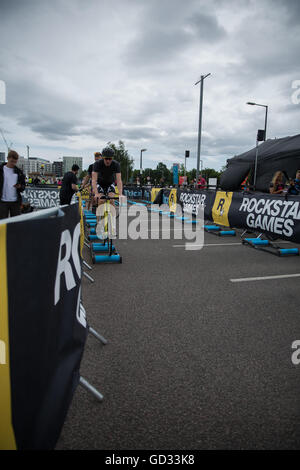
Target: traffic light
column 260, row 135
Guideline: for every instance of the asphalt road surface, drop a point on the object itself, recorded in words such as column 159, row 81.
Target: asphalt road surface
column 196, row 358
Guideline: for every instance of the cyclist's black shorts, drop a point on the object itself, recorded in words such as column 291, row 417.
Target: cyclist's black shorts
column 106, row 189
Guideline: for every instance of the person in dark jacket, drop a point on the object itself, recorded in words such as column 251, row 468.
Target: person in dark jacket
column 294, row 187
column 12, row 184
column 69, row 186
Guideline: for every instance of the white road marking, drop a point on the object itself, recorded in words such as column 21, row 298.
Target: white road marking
column 208, row 244
column 263, row 278
column 220, row 244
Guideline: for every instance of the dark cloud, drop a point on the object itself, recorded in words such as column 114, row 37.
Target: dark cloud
column 206, row 28
column 43, row 110
column 164, row 33
column 155, row 46
column 264, row 43
column 52, row 129
column 216, row 145
column 131, row 133
column 10, row 7
column 126, row 70
column 292, row 9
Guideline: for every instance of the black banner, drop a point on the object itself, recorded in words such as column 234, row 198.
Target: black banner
column 46, row 197
column 137, row 192
column 276, row 216
column 191, row 201
column 47, row 325
column 41, row 198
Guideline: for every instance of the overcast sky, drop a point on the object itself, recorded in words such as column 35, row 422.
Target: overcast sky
column 81, row 73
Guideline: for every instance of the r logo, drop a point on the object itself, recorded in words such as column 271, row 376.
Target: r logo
column 173, row 200
column 154, row 192
column 221, row 208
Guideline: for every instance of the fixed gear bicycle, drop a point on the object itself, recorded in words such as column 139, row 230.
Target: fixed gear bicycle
column 106, row 221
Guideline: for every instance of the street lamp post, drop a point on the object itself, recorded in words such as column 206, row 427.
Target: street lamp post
column 141, row 160
column 200, row 122
column 28, row 166
column 257, row 139
column 266, row 115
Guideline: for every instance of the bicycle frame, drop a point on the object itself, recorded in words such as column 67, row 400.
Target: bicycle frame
column 106, row 216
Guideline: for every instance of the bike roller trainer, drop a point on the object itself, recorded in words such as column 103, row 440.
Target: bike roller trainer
column 101, row 247
column 217, row 230
column 106, row 248
column 108, row 252
column 266, row 245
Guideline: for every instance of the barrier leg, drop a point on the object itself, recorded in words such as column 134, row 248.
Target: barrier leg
column 97, row 335
column 85, row 384
column 89, row 277
column 87, row 265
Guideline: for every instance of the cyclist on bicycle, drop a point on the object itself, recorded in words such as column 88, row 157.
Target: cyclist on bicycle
column 103, row 183
column 103, row 176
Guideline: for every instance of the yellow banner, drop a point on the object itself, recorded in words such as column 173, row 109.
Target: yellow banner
column 173, row 200
column 81, row 223
column 7, row 437
column 154, row 192
column 221, row 207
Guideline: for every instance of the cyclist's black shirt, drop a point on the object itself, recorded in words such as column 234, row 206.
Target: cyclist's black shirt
column 106, row 174
column 90, row 169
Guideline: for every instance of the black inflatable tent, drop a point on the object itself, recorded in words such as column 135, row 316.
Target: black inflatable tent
column 273, row 155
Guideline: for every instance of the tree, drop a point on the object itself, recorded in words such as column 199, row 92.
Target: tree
column 82, row 174
column 161, row 175
column 192, row 175
column 210, row 173
column 181, row 170
column 122, row 156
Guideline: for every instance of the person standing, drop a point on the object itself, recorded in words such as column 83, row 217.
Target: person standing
column 201, row 182
column 69, row 186
column 12, row 184
column 294, row 187
column 88, row 180
column 276, row 185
